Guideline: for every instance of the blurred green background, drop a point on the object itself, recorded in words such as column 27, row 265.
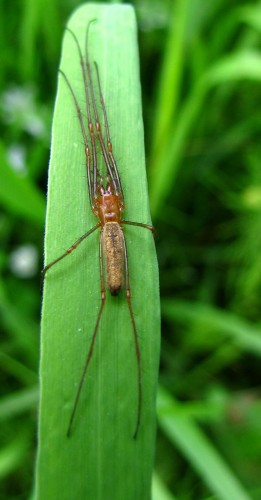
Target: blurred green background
column 201, row 83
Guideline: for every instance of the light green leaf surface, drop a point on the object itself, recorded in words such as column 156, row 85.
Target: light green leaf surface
column 100, row 459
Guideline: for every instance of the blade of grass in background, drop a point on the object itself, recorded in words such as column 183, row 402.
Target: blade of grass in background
column 171, row 75
column 243, row 334
column 173, row 121
column 38, row 25
column 18, row 323
column 11, row 455
column 100, row 459
column 159, row 490
column 198, row 449
column 19, row 195
column 19, row 402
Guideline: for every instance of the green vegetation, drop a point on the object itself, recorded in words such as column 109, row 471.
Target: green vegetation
column 201, row 75
column 101, row 444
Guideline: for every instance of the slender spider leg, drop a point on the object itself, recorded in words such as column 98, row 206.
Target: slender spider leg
column 114, row 181
column 70, row 249
column 94, row 335
column 140, row 224
column 86, row 146
column 109, row 143
column 135, row 334
column 92, row 182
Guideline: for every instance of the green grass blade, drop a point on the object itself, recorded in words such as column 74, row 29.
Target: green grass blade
column 228, row 70
column 18, row 402
column 171, row 75
column 243, row 334
column 159, row 490
column 18, row 195
column 194, row 444
column 100, row 459
column 12, row 455
column 18, row 323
